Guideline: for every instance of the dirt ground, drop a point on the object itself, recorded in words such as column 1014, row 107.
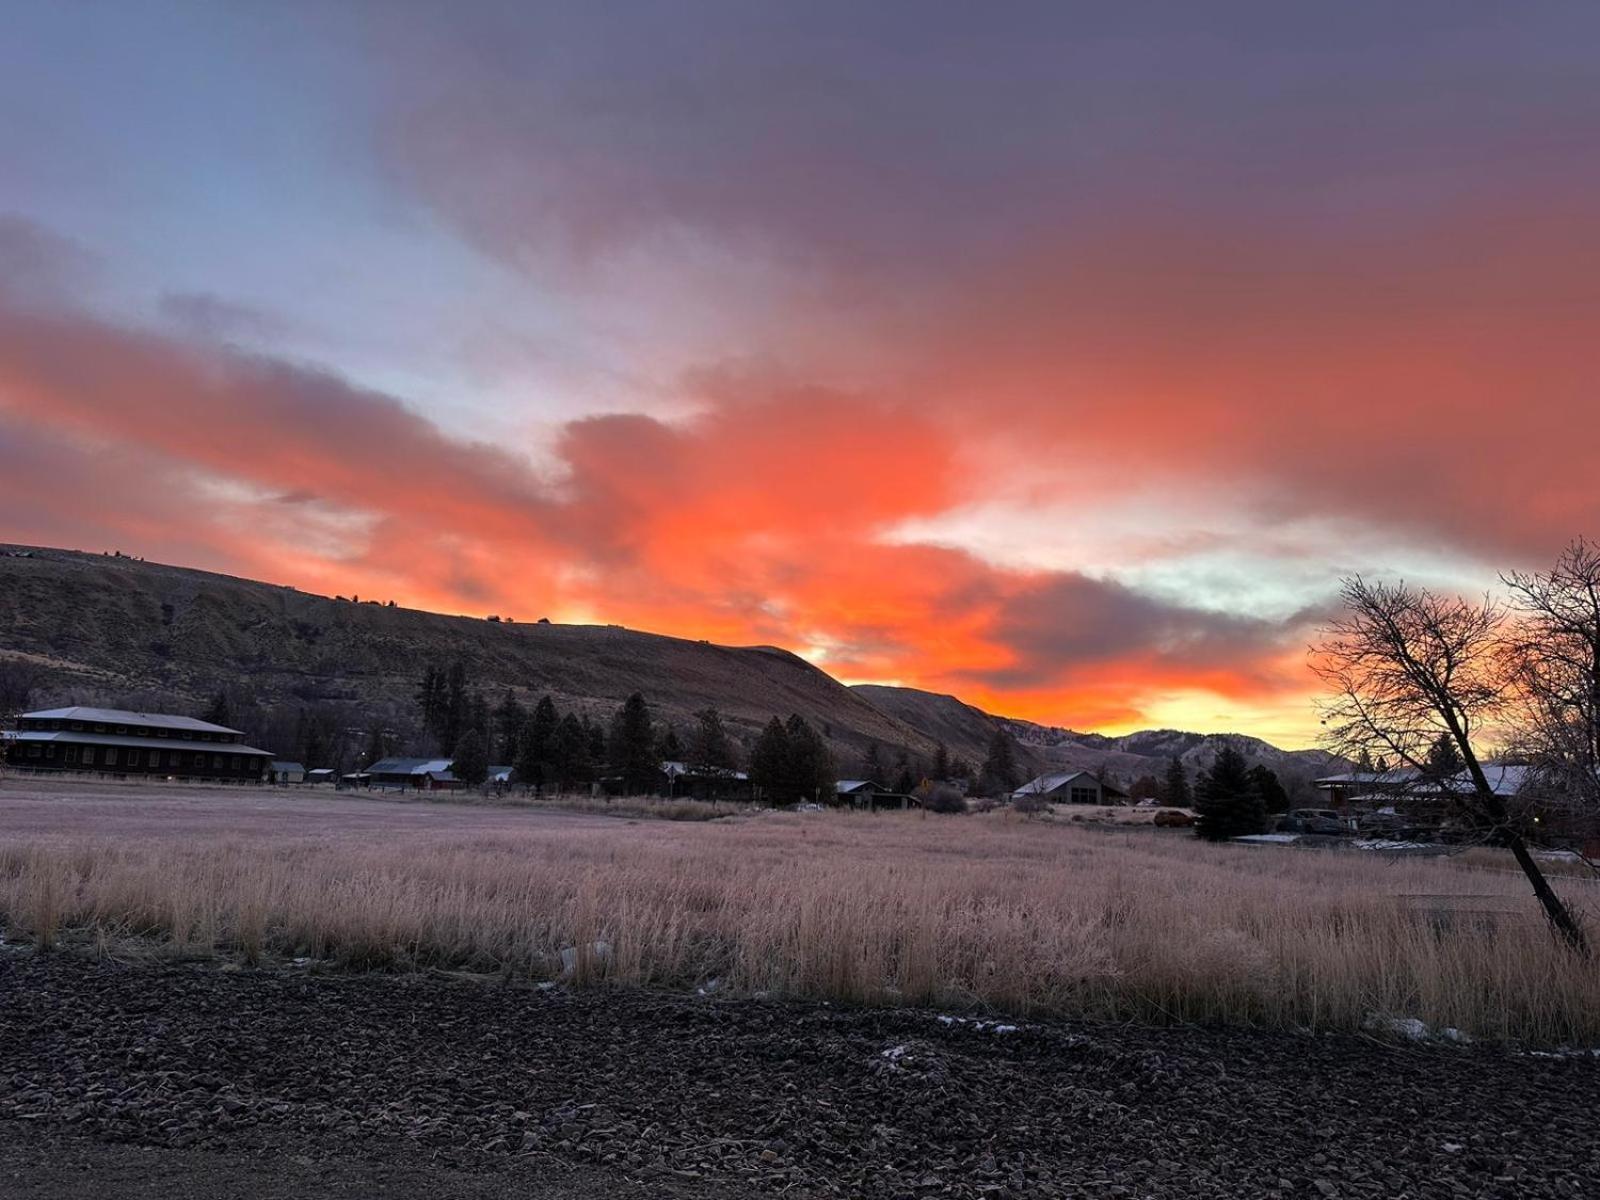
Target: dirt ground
column 177, row 1081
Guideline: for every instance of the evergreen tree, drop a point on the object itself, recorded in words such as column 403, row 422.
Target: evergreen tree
column 769, row 762
column 1274, row 796
column 377, row 747
column 1444, row 760
column 632, row 746
column 572, row 765
column 313, row 738
column 711, row 750
column 1000, row 773
column 509, row 719
column 810, row 775
column 941, row 763
column 431, row 699
column 1175, row 786
column 536, row 750
column 1146, row 787
column 670, row 748
column 478, row 718
column 470, row 763
column 597, row 741
column 1227, row 802
column 454, row 720
column 220, row 712
column 872, row 762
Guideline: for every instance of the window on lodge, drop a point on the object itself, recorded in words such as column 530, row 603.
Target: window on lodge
column 89, row 756
column 1084, row 795
column 111, row 757
column 199, row 759
column 133, row 758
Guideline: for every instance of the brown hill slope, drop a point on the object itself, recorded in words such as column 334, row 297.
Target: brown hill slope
column 111, row 628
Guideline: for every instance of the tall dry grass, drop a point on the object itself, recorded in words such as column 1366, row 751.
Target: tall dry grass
column 1023, row 917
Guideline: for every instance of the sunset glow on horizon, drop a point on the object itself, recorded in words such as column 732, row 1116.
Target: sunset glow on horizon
column 1059, row 358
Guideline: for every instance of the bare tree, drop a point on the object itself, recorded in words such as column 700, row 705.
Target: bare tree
column 1408, row 668
column 1553, row 653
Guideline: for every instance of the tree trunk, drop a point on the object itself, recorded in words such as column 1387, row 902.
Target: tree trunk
column 1555, row 909
column 1561, row 918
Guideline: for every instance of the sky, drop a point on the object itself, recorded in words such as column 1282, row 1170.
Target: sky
column 1059, row 356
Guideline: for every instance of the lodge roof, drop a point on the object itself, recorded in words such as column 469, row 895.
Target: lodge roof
column 122, row 716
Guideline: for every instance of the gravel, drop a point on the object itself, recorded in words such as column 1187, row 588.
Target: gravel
column 706, row 1096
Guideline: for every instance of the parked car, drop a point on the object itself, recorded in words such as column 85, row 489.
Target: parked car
column 1311, row 820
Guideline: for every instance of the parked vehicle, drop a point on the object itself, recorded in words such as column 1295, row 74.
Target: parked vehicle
column 1312, row 820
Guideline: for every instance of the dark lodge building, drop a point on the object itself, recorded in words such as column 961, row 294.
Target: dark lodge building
column 114, row 742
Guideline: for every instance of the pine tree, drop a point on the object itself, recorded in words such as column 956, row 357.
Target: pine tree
column 377, row 746
column 431, row 699
column 670, row 748
column 1175, row 786
column 509, row 718
column 810, row 775
column 769, row 762
column 941, row 763
column 1274, row 796
column 905, row 779
column 597, row 741
column 1444, row 760
column 478, row 718
column 536, row 750
column 631, row 747
column 1227, row 802
column 872, row 763
column 572, row 766
column 452, row 718
column 999, row 774
column 220, row 712
column 1146, row 787
column 470, row 763
column 711, row 750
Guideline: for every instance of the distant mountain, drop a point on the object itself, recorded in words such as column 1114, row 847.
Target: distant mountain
column 967, row 730
column 115, row 629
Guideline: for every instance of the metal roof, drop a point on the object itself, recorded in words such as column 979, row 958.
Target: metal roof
column 409, row 766
column 1045, row 784
column 1505, row 779
column 1051, row 782
column 283, row 764
column 79, row 738
column 855, row 785
column 122, row 716
column 674, row 770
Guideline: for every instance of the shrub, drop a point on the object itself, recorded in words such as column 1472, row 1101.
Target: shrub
column 942, row 798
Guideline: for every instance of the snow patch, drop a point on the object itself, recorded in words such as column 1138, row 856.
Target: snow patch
column 1409, row 1028
column 989, row 1026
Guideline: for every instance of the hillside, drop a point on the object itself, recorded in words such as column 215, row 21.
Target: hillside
column 967, row 730
column 110, row 629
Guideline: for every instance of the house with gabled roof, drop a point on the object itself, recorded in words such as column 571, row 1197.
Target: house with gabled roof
column 1071, row 787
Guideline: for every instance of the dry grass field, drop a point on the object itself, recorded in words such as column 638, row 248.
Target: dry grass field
column 994, row 912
